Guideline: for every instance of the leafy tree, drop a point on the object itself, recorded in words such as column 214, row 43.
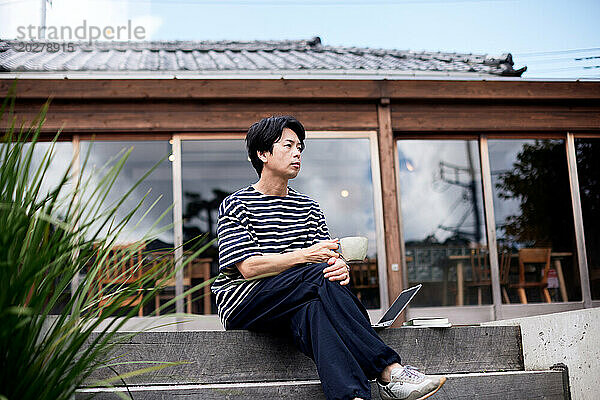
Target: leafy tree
column 539, row 180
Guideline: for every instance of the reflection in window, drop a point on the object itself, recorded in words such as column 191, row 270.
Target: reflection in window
column 62, row 155
column 335, row 172
column 144, row 156
column 532, row 207
column 443, row 223
column 211, row 171
column 588, row 170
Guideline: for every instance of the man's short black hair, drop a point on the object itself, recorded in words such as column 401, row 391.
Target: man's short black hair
column 264, row 133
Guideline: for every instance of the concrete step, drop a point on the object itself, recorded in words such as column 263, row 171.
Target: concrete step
column 240, row 356
column 514, row 385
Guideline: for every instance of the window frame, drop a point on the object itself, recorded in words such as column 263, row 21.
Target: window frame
column 497, row 310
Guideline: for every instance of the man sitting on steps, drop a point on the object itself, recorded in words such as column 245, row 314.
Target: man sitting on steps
column 279, row 273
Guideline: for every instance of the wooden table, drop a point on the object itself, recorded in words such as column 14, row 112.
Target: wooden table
column 460, row 274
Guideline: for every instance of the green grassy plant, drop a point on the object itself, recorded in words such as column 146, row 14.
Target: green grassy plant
column 46, row 241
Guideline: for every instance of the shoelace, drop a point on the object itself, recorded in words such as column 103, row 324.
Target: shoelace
column 412, row 373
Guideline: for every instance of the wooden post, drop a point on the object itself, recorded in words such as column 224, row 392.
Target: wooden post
column 387, row 154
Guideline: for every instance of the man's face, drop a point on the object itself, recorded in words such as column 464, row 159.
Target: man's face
column 285, row 160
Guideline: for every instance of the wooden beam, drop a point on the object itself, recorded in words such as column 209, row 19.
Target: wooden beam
column 157, row 116
column 410, row 117
column 192, row 88
column 495, row 90
column 387, row 154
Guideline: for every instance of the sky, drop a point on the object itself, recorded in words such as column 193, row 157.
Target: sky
column 554, row 39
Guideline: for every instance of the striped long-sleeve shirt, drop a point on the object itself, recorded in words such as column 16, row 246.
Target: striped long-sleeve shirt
column 251, row 223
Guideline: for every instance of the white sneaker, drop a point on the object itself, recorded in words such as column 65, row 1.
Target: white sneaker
column 408, row 383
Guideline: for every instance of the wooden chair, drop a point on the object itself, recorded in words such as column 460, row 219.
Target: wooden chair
column 363, row 274
column 482, row 272
column 533, row 256
column 117, row 272
column 168, row 291
column 200, row 269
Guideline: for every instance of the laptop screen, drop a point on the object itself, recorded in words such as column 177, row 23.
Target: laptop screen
column 399, row 304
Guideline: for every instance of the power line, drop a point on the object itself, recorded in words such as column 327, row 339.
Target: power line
column 553, row 57
column 587, row 58
column 554, row 52
column 555, row 60
column 533, row 71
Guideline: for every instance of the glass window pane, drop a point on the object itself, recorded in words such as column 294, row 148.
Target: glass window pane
column 211, row 170
column 443, row 222
column 533, row 211
column 144, row 156
column 335, row 172
column 588, row 170
column 62, row 155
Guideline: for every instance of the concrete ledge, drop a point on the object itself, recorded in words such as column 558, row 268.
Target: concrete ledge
column 572, row 338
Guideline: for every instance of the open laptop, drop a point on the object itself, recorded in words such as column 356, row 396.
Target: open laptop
column 397, row 307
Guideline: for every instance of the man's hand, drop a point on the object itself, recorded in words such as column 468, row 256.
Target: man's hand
column 338, row 270
column 321, row 251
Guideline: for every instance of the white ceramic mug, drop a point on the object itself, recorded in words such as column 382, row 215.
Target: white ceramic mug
column 353, row 248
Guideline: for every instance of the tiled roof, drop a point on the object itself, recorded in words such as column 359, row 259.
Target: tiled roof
column 269, row 55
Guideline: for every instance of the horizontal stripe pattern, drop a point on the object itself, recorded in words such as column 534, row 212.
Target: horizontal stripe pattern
column 251, row 223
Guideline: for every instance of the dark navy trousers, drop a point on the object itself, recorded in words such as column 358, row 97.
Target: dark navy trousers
column 326, row 322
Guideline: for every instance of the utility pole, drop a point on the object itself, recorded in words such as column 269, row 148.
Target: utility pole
column 474, row 198
column 453, row 175
column 43, row 19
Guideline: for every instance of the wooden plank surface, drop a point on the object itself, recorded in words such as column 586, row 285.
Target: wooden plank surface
column 302, row 89
column 492, row 117
column 158, row 116
column 195, row 115
column 531, row 385
column 191, row 114
column 241, row 356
